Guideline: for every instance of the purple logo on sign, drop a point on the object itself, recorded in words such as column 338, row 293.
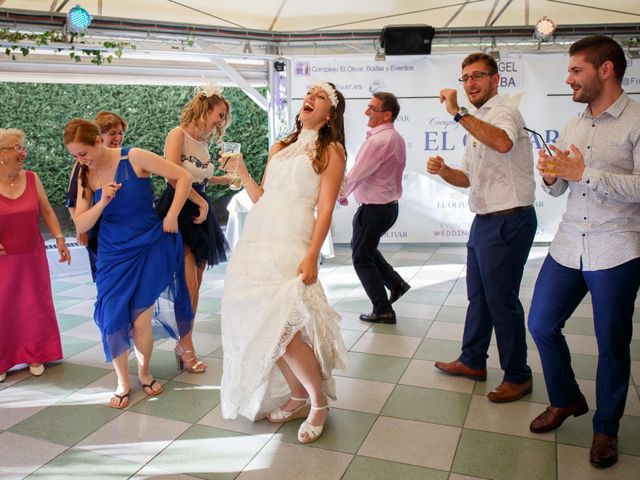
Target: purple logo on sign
column 302, row 69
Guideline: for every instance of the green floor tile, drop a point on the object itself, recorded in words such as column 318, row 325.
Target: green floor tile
column 60, row 286
column 67, row 322
column 180, row 401
column 163, row 365
column 504, row 457
column 382, row 368
column 73, row 345
column 410, row 327
column 580, row 326
column 210, row 453
column 427, row 405
column 451, row 314
column 210, row 325
column 350, row 337
column 60, row 303
column 584, row 366
column 344, row 431
column 446, row 258
column 209, row 305
column 424, row 295
column 76, row 463
column 62, row 379
column 579, row 432
column 65, row 424
column 217, row 353
column 434, row 349
column 351, row 305
column 405, row 262
column 365, row 468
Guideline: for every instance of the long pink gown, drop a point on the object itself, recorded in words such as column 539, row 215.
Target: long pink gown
column 28, row 326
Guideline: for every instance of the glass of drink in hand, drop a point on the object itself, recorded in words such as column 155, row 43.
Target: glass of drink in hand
column 230, row 159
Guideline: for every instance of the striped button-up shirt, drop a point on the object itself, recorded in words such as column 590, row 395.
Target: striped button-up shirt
column 601, row 226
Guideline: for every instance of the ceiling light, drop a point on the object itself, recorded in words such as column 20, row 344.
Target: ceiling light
column 78, row 20
column 545, row 28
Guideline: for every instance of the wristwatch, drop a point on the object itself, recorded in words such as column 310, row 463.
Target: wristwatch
column 461, row 113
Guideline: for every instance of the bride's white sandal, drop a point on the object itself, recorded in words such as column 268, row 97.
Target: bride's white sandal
column 282, row 416
column 307, row 432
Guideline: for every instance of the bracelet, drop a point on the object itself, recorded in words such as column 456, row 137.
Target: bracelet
column 59, row 237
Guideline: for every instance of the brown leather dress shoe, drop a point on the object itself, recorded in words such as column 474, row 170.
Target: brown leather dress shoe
column 510, row 392
column 458, row 368
column 604, row 450
column 553, row 417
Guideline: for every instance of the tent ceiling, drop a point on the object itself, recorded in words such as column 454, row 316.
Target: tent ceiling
column 331, row 15
column 249, row 33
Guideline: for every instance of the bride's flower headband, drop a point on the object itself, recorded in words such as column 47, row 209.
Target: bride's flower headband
column 331, row 92
column 210, row 90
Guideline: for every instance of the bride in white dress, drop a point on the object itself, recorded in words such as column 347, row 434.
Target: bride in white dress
column 274, row 310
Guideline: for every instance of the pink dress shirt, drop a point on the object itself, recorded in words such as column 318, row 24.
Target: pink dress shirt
column 376, row 177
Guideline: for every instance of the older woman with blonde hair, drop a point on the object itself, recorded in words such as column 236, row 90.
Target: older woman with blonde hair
column 28, row 325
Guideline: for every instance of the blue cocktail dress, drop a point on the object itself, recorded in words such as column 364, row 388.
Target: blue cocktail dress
column 139, row 266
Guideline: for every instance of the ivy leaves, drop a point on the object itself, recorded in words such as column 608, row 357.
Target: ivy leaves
column 98, row 56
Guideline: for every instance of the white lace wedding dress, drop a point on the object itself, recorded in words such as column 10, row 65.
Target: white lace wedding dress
column 265, row 303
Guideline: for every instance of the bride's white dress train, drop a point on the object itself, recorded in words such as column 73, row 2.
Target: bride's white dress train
column 265, row 303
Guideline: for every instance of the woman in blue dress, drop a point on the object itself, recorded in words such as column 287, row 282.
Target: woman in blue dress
column 140, row 281
column 112, row 129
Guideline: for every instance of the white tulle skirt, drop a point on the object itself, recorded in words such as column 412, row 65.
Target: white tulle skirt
column 264, row 305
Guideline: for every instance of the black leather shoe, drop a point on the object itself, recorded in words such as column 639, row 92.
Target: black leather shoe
column 397, row 293
column 387, row 318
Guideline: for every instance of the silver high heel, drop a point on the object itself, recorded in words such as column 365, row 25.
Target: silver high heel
column 307, row 432
column 197, row 367
column 283, row 416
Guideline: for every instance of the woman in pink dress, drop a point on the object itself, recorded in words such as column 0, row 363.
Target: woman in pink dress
column 28, row 326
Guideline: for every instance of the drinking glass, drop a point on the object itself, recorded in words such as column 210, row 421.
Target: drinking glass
column 231, row 153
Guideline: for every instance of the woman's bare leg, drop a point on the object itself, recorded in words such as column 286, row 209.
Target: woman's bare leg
column 193, row 275
column 297, row 389
column 121, row 364
column 143, row 341
column 304, row 365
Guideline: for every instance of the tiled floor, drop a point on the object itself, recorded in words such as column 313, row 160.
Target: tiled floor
column 396, row 416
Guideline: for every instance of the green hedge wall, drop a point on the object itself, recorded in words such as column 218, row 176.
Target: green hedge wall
column 43, row 109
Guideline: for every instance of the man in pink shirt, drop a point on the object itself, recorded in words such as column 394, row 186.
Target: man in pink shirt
column 376, row 183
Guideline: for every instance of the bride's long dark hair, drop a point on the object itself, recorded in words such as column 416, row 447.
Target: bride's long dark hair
column 333, row 131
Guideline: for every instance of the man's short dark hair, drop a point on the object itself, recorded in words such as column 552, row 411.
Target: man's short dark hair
column 488, row 60
column 389, row 103
column 598, row 49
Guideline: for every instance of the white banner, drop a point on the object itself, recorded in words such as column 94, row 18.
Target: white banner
column 430, row 209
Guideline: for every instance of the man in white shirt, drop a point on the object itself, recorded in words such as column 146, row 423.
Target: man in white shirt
column 498, row 166
column 597, row 246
